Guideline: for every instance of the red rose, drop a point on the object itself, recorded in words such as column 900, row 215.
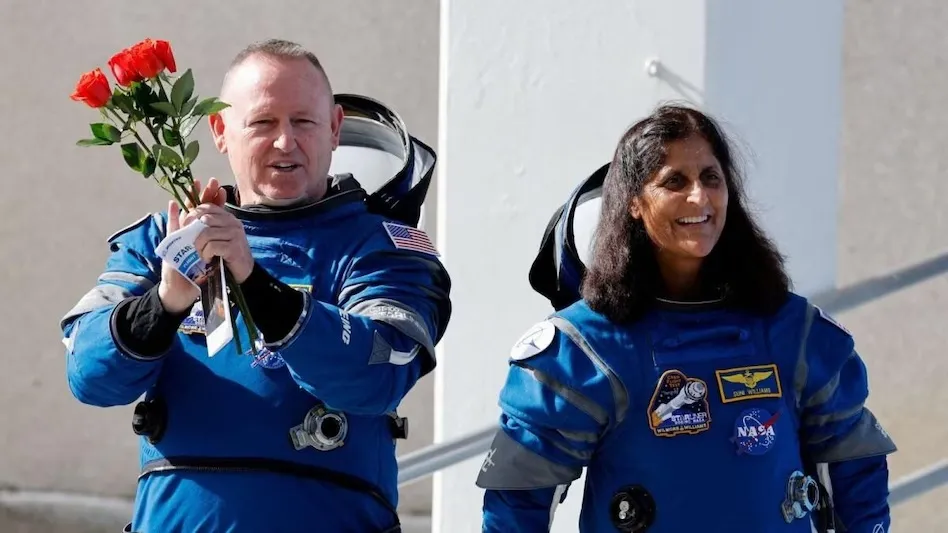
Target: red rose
column 142, row 61
column 145, row 59
column 93, row 89
column 163, row 51
column 123, row 68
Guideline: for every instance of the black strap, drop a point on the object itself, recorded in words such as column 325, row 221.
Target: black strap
column 258, row 464
column 825, row 517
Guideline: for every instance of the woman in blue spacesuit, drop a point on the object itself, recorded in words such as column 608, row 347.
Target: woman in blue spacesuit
column 697, row 391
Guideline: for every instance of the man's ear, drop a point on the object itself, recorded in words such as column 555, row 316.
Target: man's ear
column 216, row 122
column 338, row 115
column 636, row 209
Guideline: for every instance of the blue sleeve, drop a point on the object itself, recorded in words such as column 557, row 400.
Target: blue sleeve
column 363, row 354
column 556, row 405
column 520, row 510
column 100, row 370
column 838, row 429
column 860, row 494
column 836, row 425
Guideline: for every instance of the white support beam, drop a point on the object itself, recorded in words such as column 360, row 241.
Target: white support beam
column 535, row 95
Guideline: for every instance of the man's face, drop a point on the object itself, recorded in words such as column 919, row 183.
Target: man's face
column 280, row 131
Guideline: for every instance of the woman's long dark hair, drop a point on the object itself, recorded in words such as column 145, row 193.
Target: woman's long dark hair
column 623, row 280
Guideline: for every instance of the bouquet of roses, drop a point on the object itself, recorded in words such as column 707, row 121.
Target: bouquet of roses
column 148, row 101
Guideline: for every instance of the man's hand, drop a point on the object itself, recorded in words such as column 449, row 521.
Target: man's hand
column 176, row 293
column 224, row 237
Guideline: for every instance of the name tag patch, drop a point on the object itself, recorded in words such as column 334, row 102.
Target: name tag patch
column 749, row 382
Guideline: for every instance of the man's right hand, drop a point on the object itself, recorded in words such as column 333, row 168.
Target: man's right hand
column 176, row 293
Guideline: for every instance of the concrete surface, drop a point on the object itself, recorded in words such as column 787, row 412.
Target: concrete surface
column 892, row 215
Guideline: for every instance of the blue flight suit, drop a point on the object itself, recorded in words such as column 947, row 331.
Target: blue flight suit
column 695, row 418
column 696, row 415
column 243, row 449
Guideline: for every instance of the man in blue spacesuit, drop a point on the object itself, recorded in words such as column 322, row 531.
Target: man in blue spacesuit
column 350, row 304
column 696, row 390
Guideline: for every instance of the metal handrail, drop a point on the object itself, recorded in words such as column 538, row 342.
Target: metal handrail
column 430, row 459
column 424, row 462
column 919, row 482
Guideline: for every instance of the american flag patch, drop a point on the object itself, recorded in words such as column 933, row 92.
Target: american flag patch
column 409, row 238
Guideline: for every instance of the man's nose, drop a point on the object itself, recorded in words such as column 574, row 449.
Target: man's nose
column 285, row 140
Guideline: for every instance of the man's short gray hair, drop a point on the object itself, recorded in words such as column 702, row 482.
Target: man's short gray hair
column 279, row 48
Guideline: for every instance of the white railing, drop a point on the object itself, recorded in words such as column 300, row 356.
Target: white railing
column 426, row 461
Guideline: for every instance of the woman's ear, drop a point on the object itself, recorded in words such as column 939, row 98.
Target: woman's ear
column 636, row 209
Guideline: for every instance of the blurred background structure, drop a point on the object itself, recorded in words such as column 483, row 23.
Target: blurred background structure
column 69, row 467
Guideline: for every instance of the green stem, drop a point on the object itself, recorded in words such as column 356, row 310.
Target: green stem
column 241, row 301
column 161, row 89
column 176, row 127
column 233, row 318
column 120, row 124
column 188, row 192
column 138, row 138
column 174, row 191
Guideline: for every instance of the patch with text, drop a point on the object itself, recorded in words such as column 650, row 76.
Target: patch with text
column 754, row 431
column 749, row 382
column 679, row 405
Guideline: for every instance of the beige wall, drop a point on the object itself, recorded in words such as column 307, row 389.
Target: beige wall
column 61, row 202
column 893, row 214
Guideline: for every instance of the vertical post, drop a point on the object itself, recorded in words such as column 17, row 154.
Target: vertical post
column 534, row 96
column 773, row 75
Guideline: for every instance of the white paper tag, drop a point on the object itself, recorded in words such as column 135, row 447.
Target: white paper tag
column 177, row 248
column 216, row 304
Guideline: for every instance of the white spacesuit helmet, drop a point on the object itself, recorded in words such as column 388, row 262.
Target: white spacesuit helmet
column 585, row 220
column 567, row 242
column 376, row 148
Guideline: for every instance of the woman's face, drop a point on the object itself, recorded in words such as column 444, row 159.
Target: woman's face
column 684, row 203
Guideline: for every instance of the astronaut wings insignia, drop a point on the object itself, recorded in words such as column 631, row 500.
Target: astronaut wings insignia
column 748, row 379
column 748, row 382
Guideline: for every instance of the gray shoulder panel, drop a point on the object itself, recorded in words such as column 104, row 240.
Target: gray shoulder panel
column 619, row 392
column 866, row 439
column 510, row 466
column 574, row 397
column 399, row 316
column 100, row 296
column 802, row 370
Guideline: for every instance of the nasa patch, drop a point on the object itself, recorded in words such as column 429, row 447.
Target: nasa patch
column 754, row 431
column 194, row 322
column 534, row 341
column 679, row 405
column 269, row 360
